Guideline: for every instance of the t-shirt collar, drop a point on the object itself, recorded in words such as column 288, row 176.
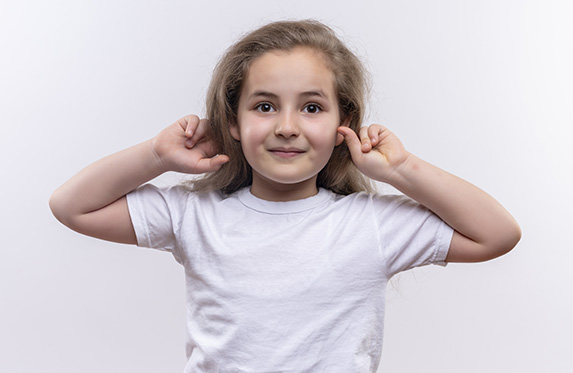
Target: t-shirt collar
column 287, row 207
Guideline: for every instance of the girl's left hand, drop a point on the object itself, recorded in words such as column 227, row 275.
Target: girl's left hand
column 376, row 151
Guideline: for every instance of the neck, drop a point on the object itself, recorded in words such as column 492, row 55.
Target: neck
column 273, row 191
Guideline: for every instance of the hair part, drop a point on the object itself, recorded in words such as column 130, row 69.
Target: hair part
column 339, row 175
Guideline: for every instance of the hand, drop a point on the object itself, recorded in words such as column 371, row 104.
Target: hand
column 183, row 147
column 376, row 151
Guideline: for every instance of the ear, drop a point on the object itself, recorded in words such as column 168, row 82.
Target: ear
column 339, row 137
column 234, row 130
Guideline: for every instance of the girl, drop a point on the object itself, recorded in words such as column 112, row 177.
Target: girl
column 286, row 249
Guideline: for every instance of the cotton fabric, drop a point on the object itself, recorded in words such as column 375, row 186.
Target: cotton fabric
column 294, row 286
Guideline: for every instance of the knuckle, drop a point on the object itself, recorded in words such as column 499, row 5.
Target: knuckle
column 192, row 119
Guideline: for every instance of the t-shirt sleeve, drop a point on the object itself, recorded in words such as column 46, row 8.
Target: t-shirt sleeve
column 410, row 234
column 154, row 212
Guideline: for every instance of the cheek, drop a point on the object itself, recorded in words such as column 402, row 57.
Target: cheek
column 324, row 139
column 252, row 133
column 249, row 128
column 253, row 138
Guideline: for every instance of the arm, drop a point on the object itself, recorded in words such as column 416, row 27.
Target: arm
column 93, row 201
column 483, row 229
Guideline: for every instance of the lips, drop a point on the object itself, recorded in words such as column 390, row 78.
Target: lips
column 286, row 152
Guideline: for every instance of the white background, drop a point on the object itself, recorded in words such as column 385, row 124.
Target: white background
column 484, row 89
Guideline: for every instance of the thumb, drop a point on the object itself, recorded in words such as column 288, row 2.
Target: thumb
column 352, row 141
column 219, row 160
column 214, row 163
column 210, row 164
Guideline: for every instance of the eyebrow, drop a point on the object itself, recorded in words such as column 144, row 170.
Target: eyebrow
column 261, row 93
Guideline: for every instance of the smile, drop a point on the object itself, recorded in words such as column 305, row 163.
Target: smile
column 286, row 152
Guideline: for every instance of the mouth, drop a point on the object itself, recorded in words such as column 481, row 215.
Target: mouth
column 286, row 152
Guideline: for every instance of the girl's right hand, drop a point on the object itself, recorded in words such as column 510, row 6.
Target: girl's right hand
column 93, row 202
column 184, row 147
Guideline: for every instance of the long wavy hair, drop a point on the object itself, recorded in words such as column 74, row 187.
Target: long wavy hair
column 339, row 175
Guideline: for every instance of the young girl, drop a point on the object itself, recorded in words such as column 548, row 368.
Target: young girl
column 286, row 248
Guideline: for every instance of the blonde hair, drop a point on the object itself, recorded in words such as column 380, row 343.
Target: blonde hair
column 339, row 175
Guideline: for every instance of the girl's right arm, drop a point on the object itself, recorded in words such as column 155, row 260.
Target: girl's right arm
column 93, row 201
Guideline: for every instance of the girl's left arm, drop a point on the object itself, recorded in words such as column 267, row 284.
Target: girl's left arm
column 483, row 228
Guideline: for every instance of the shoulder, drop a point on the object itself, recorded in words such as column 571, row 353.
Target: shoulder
column 177, row 191
column 172, row 192
column 173, row 197
column 385, row 208
column 377, row 200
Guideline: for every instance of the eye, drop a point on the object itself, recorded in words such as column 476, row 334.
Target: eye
column 312, row 109
column 264, row 107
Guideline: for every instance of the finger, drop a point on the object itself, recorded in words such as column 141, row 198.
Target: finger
column 212, row 164
column 365, row 139
column 189, row 123
column 352, row 141
column 374, row 134
column 201, row 129
column 196, row 133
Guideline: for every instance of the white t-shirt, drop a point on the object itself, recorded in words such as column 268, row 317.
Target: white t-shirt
column 293, row 286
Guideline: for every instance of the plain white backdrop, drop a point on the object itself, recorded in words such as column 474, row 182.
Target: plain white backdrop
column 482, row 88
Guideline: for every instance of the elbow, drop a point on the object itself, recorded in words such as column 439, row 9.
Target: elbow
column 496, row 243
column 55, row 205
column 514, row 237
column 508, row 241
column 60, row 209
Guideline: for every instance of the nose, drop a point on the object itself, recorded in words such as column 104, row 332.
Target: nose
column 287, row 125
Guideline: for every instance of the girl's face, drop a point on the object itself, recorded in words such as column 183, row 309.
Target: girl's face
column 287, row 120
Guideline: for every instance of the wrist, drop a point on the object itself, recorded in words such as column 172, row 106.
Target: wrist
column 156, row 162
column 402, row 175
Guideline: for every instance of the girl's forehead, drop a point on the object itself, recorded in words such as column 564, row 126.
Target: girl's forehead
column 299, row 68
column 297, row 53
